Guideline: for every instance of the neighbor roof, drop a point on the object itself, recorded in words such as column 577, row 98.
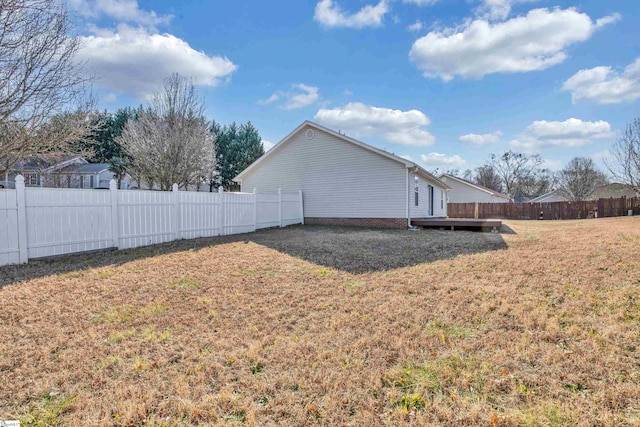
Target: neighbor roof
column 408, row 163
column 545, row 196
column 86, row 168
column 477, row 186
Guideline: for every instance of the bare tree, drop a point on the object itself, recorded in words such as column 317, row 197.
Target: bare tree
column 579, row 179
column 39, row 80
column 170, row 141
column 487, row 176
column 520, row 173
column 625, row 164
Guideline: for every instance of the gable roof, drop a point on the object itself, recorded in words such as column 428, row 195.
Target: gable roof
column 541, row 199
column 407, row 163
column 88, row 168
column 476, row 186
column 47, row 163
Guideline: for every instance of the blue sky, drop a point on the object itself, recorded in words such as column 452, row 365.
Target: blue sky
column 444, row 82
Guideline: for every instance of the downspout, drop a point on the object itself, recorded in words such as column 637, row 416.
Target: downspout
column 415, row 170
column 407, row 194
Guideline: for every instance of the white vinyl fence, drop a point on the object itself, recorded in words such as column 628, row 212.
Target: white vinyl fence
column 43, row 222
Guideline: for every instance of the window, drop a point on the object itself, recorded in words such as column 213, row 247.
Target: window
column 31, row 179
column 441, row 199
column 415, row 192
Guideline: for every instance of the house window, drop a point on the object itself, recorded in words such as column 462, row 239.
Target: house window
column 81, row 181
column 31, row 179
column 415, row 192
column 441, row 199
column 91, row 181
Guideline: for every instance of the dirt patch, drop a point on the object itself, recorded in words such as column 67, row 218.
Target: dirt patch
column 332, row 326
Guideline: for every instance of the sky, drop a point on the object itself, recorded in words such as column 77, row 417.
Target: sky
column 444, row 83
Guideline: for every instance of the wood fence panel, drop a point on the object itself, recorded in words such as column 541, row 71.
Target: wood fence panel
column 546, row 211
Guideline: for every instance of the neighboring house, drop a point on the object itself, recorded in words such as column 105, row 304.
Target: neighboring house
column 70, row 172
column 614, row 190
column 463, row 191
column 345, row 181
column 551, row 196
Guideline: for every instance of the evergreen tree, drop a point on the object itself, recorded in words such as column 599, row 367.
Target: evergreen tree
column 236, row 147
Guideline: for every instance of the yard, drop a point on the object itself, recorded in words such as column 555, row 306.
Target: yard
column 331, row 326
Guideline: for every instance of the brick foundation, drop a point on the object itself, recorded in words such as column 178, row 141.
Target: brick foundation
column 359, row 222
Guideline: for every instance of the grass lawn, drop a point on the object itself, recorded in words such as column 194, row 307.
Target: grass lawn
column 332, row 326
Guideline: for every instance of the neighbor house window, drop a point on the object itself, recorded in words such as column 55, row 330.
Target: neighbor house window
column 441, row 199
column 31, row 179
column 415, row 192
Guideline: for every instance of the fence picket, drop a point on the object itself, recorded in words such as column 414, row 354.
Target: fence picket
column 600, row 208
column 42, row 222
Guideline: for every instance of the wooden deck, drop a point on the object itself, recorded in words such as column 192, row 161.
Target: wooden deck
column 452, row 223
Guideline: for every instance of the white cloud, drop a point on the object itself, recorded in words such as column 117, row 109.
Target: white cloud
column 498, row 9
column 552, row 165
column 135, row 61
column 603, row 85
column 121, row 10
column 110, row 97
column 299, row 96
column 484, row 139
column 406, row 157
column 267, row 145
column 395, row 126
column 421, row 2
column 347, row 92
column 330, row 14
column 532, row 42
column 604, row 158
column 439, row 160
column 569, row 133
column 416, row 26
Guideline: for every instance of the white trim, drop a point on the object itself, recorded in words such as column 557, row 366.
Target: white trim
column 409, row 164
column 462, row 181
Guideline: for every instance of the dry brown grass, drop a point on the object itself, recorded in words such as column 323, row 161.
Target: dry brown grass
column 317, row 326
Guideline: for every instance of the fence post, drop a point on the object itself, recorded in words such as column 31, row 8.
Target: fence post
column 280, row 206
column 22, row 220
column 475, row 210
column 301, row 208
column 177, row 221
column 255, row 209
column 222, row 210
column 115, row 229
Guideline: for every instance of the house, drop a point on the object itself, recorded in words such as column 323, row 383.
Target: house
column 67, row 172
column 345, row 181
column 614, row 190
column 463, row 191
column 552, row 196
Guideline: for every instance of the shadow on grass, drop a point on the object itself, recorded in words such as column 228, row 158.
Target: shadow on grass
column 352, row 250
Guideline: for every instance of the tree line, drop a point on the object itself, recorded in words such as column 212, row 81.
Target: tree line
column 523, row 175
column 47, row 111
column 170, row 141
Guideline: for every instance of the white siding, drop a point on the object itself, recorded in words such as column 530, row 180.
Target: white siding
column 338, row 179
column 422, row 210
column 463, row 193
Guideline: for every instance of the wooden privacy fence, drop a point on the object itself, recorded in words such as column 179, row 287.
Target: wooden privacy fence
column 553, row 210
column 43, row 222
